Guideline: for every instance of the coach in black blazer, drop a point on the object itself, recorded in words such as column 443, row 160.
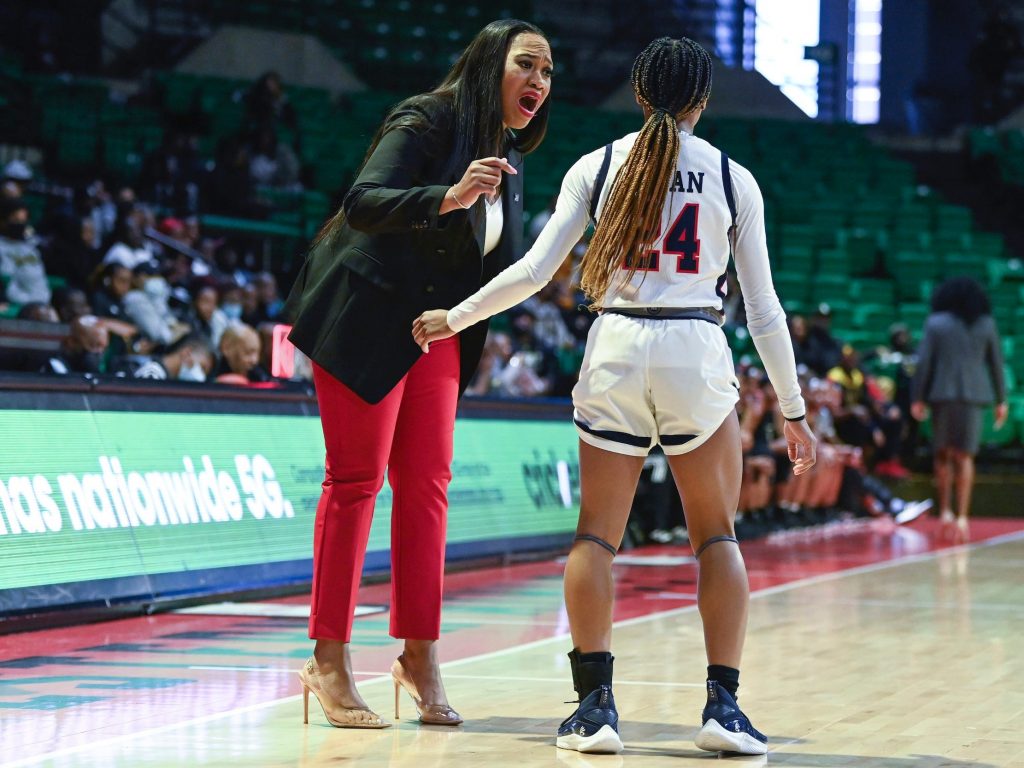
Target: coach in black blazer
column 436, row 212
column 362, row 285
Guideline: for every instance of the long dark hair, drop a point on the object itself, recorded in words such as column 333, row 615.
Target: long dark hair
column 671, row 78
column 963, row 297
column 468, row 104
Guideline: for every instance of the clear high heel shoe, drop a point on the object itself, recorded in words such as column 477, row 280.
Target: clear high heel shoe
column 337, row 715
column 963, row 530
column 947, row 524
column 431, row 714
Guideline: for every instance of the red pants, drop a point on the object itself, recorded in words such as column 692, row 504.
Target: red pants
column 411, row 433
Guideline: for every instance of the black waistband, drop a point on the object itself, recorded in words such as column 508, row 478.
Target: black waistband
column 709, row 314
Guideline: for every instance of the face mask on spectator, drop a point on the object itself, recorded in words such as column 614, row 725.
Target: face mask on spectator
column 16, row 230
column 233, row 311
column 158, row 288
column 192, row 372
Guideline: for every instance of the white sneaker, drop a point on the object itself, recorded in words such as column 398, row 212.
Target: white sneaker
column 913, row 510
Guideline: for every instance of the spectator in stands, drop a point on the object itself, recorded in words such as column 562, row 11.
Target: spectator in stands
column 231, row 301
column 38, row 312
column 533, row 368
column 230, row 189
column 822, row 351
column 267, row 106
column 83, row 349
column 756, row 412
column 110, row 285
column 240, row 355
column 71, row 303
column 959, row 372
column 206, row 317
column 17, row 175
column 899, row 359
column 190, row 358
column 854, row 422
column 377, row 386
column 495, row 358
column 231, row 264
column 192, row 236
column 147, row 305
column 799, row 332
column 272, row 162
column 868, row 418
column 171, row 173
column 252, row 312
column 70, row 252
column 270, row 303
column 129, row 248
column 104, row 208
column 20, row 260
column 549, row 326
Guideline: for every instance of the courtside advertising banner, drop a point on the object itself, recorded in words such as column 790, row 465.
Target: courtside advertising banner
column 94, row 495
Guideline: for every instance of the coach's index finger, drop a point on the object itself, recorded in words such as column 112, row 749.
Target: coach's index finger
column 500, row 162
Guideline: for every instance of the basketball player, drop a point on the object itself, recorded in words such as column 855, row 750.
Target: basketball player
column 658, row 370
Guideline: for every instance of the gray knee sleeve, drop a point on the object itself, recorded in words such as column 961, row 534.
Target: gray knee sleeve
column 714, row 540
column 597, row 540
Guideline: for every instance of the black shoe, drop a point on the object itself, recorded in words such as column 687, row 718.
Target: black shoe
column 726, row 728
column 594, row 726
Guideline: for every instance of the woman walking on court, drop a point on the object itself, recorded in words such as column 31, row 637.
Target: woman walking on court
column 657, row 370
column 435, row 212
column 959, row 372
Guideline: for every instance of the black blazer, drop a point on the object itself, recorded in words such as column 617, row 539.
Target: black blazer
column 358, row 292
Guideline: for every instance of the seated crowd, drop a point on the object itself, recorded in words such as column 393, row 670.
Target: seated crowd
column 143, row 292
column 862, row 426
column 138, row 296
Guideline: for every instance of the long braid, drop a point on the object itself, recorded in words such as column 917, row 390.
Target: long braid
column 671, row 78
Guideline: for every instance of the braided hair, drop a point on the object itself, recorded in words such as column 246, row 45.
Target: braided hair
column 671, row 78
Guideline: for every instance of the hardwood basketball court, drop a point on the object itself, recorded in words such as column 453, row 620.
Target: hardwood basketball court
column 867, row 646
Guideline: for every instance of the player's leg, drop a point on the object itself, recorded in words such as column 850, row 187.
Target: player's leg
column 708, row 478
column 944, row 486
column 607, row 485
column 963, row 464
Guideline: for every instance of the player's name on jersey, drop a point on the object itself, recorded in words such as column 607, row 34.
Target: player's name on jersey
column 694, row 182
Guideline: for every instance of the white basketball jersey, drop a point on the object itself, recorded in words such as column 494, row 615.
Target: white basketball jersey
column 687, row 266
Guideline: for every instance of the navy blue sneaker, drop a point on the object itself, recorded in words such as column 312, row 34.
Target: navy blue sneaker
column 594, row 726
column 726, row 728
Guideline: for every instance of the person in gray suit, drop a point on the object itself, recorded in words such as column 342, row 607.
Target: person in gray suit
column 959, row 372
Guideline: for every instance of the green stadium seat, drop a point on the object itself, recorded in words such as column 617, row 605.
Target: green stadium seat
column 874, row 318
column 872, row 290
column 913, row 314
column 833, row 261
column 791, row 286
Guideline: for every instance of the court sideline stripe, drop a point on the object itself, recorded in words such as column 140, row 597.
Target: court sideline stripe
column 767, row 591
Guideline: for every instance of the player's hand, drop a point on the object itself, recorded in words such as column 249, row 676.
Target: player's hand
column 802, row 445
column 919, row 410
column 432, row 325
column 1002, row 413
column 481, row 178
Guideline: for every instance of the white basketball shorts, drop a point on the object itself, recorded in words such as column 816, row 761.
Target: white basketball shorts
column 646, row 382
